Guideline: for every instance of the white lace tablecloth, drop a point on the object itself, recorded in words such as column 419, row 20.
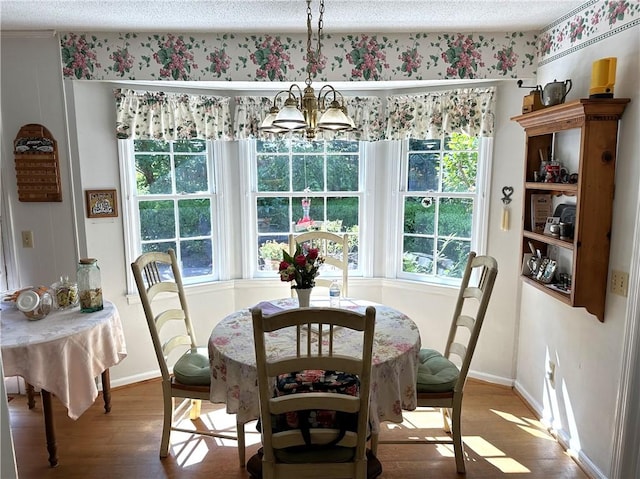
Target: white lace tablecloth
column 393, row 375
column 64, row 352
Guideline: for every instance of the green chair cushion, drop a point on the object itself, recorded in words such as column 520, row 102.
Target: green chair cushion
column 435, row 372
column 193, row 368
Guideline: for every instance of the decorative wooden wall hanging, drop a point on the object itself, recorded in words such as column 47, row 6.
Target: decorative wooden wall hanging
column 37, row 168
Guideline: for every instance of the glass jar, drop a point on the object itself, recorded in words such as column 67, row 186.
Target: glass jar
column 89, row 285
column 65, row 293
column 35, row 303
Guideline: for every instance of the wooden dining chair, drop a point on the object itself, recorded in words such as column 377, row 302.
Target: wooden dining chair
column 159, row 283
column 305, row 448
column 440, row 380
column 333, row 248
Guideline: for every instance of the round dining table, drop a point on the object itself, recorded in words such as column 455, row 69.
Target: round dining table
column 394, row 369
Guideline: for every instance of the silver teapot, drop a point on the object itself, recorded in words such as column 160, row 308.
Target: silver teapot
column 555, row 92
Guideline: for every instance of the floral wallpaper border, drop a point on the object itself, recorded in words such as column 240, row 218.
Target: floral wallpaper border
column 354, row 57
column 593, row 22
column 249, row 57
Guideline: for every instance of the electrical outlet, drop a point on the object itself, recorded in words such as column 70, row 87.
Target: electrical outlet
column 27, row 239
column 551, row 373
column 619, row 283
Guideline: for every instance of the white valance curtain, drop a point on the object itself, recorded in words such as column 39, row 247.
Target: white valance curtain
column 366, row 112
column 145, row 115
column 429, row 115
column 174, row 116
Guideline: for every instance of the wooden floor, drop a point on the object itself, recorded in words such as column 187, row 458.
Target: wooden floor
column 502, row 439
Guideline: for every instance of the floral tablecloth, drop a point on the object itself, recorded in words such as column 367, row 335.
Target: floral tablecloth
column 64, row 352
column 394, row 372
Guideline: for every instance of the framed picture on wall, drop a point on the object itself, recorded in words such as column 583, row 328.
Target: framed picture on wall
column 101, row 203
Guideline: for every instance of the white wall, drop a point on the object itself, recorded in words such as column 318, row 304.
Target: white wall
column 582, row 405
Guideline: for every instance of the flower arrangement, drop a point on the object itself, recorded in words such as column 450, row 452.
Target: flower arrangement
column 302, row 267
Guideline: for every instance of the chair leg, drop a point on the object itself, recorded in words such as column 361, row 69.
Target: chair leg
column 31, row 402
column 166, row 425
column 374, row 443
column 241, row 443
column 446, row 418
column 457, row 439
column 196, row 407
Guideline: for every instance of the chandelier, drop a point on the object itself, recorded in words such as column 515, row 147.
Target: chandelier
column 304, row 110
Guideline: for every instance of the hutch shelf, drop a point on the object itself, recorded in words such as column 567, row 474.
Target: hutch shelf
column 586, row 253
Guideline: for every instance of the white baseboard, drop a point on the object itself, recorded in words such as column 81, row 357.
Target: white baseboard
column 136, row 378
column 489, row 378
column 561, row 435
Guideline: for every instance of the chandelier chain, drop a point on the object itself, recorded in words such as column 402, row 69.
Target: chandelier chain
column 303, row 110
column 320, row 26
column 313, row 57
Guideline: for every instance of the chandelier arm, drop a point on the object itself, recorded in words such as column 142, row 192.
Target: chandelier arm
column 293, row 95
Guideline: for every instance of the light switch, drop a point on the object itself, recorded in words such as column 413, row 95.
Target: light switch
column 27, row 239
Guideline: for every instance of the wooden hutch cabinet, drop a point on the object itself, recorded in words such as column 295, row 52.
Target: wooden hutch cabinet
column 590, row 129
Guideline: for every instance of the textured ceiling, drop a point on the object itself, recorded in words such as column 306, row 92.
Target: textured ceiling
column 280, row 16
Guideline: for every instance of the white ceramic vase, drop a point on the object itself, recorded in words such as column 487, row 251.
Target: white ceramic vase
column 303, row 297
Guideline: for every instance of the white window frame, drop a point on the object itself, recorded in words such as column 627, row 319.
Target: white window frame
column 248, row 170
column 131, row 219
column 480, row 215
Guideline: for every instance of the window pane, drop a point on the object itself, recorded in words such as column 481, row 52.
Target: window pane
column 343, row 146
column 151, row 145
column 459, row 170
column 195, row 217
column 452, row 257
column 153, row 174
column 342, row 213
column 460, row 141
column 273, row 173
column 423, row 171
column 273, row 215
column 270, row 251
column 455, row 217
column 419, row 215
column 424, row 145
column 191, row 174
column 308, row 172
column 190, row 146
column 196, row 257
column 159, row 246
column 417, row 255
column 157, row 220
column 342, row 173
column 272, row 146
column 298, row 146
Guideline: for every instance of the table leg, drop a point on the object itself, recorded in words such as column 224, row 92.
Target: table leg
column 31, row 402
column 106, row 390
column 49, row 427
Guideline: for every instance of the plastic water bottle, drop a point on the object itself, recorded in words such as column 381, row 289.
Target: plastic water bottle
column 334, row 295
